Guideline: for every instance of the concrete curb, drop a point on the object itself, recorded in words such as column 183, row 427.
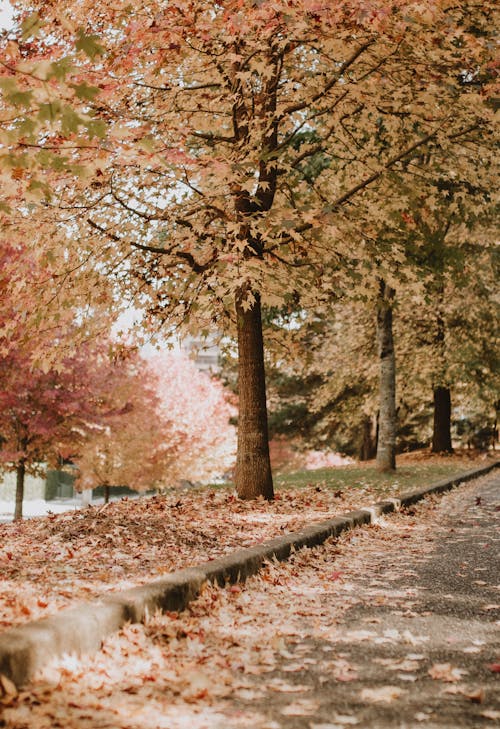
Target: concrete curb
column 26, row 649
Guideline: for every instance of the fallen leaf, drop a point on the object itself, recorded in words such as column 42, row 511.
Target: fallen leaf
column 414, row 639
column 421, row 716
column 335, row 576
column 302, row 707
column 361, row 635
column 287, row 688
column 384, row 694
column 477, row 696
column 490, row 714
column 8, row 690
column 446, row 672
column 346, row 719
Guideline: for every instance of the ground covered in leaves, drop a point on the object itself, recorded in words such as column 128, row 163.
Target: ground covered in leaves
column 49, row 562
column 341, row 635
column 46, row 563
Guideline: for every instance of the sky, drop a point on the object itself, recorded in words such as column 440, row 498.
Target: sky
column 5, row 14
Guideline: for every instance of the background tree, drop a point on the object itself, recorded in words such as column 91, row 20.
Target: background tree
column 173, row 426
column 199, row 198
column 197, row 411
column 45, row 413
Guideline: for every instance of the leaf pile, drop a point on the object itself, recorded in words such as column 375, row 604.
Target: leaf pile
column 46, row 563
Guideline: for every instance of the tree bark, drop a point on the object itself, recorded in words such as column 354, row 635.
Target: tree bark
column 106, row 493
column 386, row 444
column 20, row 474
column 368, row 443
column 441, row 434
column 494, row 439
column 253, row 466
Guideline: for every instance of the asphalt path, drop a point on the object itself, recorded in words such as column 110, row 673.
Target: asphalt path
column 422, row 645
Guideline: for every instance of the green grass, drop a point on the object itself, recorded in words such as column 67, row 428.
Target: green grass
column 406, row 477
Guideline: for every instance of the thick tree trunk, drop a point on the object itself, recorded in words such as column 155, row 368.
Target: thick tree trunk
column 441, row 434
column 20, row 474
column 253, row 465
column 386, row 445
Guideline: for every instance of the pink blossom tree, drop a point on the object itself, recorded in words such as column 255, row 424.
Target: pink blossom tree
column 175, row 427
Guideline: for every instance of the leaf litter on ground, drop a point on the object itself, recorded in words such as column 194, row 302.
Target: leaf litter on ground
column 49, row 562
column 223, row 661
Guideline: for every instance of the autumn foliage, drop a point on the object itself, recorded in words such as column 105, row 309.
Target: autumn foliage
column 173, row 427
column 214, row 159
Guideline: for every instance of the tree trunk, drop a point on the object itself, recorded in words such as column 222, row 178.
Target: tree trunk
column 368, row 444
column 106, row 493
column 253, row 466
column 386, row 444
column 494, row 439
column 441, row 434
column 20, row 474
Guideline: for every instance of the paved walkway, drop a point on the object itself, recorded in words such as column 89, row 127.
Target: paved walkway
column 422, row 646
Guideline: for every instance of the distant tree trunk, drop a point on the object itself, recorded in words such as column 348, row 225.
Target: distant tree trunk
column 20, row 474
column 386, row 444
column 441, row 433
column 368, row 447
column 253, row 466
column 494, row 439
column 106, row 493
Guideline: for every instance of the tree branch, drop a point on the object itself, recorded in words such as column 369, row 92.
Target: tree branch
column 196, row 267
column 331, row 83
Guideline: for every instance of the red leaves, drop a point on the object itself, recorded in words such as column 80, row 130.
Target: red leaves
column 335, row 576
column 175, row 428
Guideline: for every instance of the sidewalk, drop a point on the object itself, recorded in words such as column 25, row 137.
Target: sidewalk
column 38, row 507
column 391, row 625
column 422, row 646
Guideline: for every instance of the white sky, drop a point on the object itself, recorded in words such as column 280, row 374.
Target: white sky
column 5, row 14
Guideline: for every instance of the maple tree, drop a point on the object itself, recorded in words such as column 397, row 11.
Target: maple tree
column 197, row 410
column 36, row 94
column 45, row 412
column 174, row 428
column 386, row 441
column 198, row 185
column 323, row 375
column 46, row 404
column 454, row 341
column 121, row 449
column 51, row 392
